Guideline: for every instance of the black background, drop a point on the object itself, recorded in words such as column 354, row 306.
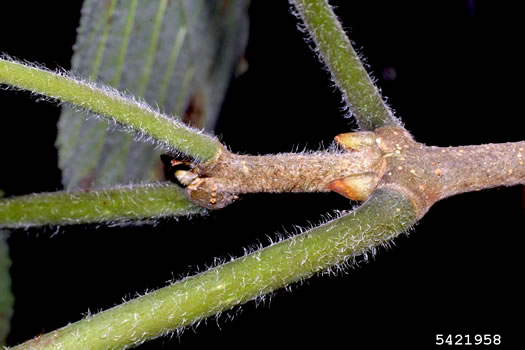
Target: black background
column 459, row 73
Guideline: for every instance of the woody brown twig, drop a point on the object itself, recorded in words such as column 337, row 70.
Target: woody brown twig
column 387, row 158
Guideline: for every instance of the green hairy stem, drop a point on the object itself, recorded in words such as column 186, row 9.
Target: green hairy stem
column 108, row 103
column 190, row 300
column 349, row 74
column 119, row 204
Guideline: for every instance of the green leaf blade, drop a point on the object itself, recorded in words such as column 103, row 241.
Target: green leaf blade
column 6, row 296
column 173, row 54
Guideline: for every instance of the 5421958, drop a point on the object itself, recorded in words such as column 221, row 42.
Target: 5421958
column 468, row 339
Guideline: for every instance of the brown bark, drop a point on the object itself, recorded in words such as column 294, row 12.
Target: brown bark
column 433, row 173
column 388, row 157
column 219, row 183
